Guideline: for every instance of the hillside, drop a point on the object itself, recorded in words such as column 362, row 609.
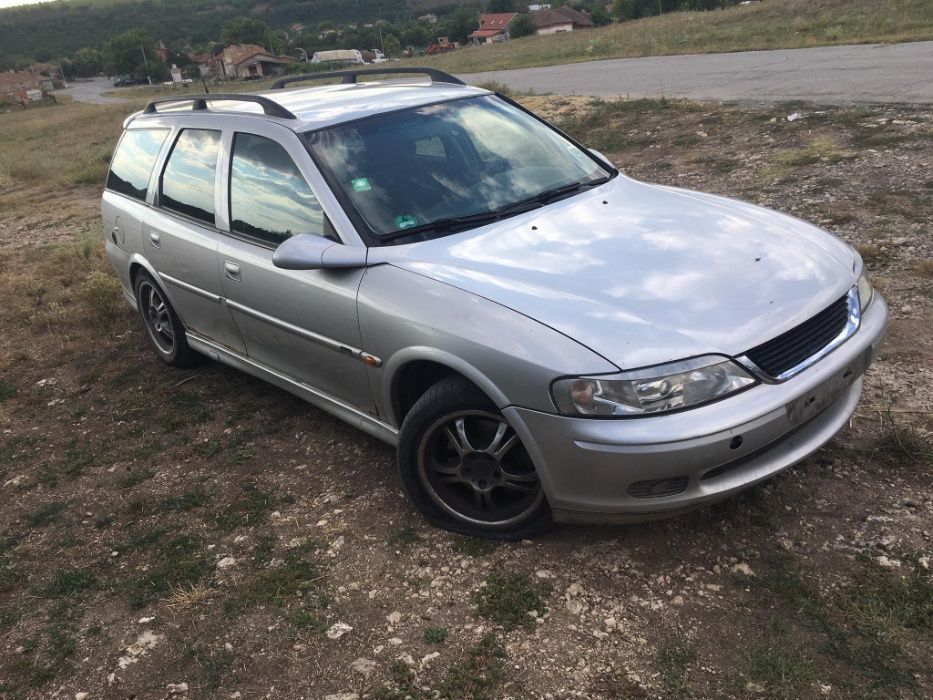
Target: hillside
column 51, row 30
column 772, row 24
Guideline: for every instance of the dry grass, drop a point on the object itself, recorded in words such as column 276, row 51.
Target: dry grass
column 774, row 24
column 65, row 144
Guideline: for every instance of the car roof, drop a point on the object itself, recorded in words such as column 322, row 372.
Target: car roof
column 327, row 105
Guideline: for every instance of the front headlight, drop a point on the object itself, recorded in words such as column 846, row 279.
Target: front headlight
column 865, row 291
column 652, row 390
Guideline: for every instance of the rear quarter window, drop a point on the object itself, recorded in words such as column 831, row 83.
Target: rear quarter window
column 133, row 161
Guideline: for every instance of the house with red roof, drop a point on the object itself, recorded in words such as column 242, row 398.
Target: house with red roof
column 562, row 19
column 493, row 27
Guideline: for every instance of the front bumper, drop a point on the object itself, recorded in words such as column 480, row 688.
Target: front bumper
column 617, row 470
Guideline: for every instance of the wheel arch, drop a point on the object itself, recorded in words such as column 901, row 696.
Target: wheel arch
column 137, row 264
column 411, row 372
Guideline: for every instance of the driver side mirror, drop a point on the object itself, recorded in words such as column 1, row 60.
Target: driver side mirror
column 309, row 252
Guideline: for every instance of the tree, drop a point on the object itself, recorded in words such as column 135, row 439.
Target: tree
column 623, row 10
column 393, row 47
column 461, row 23
column 501, row 6
column 83, row 63
column 131, row 53
column 244, row 30
column 416, row 35
column 523, row 25
column 600, row 16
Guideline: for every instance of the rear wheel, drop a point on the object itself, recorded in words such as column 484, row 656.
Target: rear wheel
column 466, row 469
column 163, row 328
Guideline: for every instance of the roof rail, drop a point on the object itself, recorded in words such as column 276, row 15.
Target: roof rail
column 199, row 102
column 350, row 76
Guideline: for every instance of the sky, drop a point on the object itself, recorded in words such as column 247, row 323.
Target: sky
column 11, row 3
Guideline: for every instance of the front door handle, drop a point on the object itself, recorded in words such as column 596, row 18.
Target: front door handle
column 231, row 271
column 155, row 239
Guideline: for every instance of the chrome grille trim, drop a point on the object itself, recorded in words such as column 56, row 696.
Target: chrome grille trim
column 852, row 324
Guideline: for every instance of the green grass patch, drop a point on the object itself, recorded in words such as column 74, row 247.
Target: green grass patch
column 435, row 635
column 45, row 515
column 507, row 600
column 296, row 578
column 178, row 563
column 7, row 391
column 67, row 582
column 853, row 636
column 404, row 537
column 674, row 660
column 781, row 669
column 134, row 477
column 478, row 675
column 250, row 508
column 187, row 501
column 474, row 546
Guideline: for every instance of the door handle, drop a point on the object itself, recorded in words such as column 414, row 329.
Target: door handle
column 114, row 232
column 231, row 271
column 155, row 239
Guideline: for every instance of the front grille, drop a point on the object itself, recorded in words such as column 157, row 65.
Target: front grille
column 793, row 347
column 658, row 488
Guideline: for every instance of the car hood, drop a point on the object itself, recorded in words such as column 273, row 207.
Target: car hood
column 643, row 274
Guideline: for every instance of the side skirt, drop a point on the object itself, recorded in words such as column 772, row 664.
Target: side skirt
column 344, row 411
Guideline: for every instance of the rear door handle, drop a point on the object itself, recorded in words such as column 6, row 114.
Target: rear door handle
column 155, row 239
column 231, row 271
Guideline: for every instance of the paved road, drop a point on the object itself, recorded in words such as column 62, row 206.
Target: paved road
column 90, row 91
column 830, row 75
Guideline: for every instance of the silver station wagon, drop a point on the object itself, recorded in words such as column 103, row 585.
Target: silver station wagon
column 543, row 338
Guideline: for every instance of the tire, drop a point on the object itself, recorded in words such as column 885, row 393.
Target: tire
column 164, row 330
column 466, row 469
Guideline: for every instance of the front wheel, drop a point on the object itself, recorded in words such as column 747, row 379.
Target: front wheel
column 466, row 469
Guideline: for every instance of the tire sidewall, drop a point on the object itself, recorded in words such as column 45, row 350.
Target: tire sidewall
column 179, row 356
column 450, row 396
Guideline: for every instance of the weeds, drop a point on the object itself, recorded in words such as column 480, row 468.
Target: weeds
column 509, row 599
column 46, row 515
column 674, row 660
column 7, row 391
column 859, row 642
column 177, row 564
column 66, row 583
column 478, row 675
column 435, row 635
column 474, row 546
column 782, row 670
column 251, row 508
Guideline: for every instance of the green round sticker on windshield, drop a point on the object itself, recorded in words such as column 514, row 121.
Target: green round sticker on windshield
column 405, row 221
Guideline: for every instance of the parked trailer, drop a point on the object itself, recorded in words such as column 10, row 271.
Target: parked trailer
column 348, row 56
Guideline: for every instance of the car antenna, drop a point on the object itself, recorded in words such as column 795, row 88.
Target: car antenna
column 204, row 83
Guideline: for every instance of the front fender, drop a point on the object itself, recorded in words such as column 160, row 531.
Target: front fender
column 406, row 317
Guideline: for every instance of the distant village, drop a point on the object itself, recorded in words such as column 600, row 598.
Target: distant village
column 256, row 60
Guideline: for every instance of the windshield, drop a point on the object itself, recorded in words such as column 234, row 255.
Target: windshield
column 445, row 167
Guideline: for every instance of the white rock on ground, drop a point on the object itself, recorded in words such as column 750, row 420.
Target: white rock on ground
column 145, row 642
column 226, row 563
column 337, row 630
column 363, row 666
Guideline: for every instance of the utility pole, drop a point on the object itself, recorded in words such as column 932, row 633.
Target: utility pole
column 381, row 42
column 146, row 63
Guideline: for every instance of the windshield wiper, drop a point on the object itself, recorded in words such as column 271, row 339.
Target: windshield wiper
column 458, row 223
column 553, row 195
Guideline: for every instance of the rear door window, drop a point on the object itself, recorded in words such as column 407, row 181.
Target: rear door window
column 189, row 175
column 269, row 197
column 133, row 161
